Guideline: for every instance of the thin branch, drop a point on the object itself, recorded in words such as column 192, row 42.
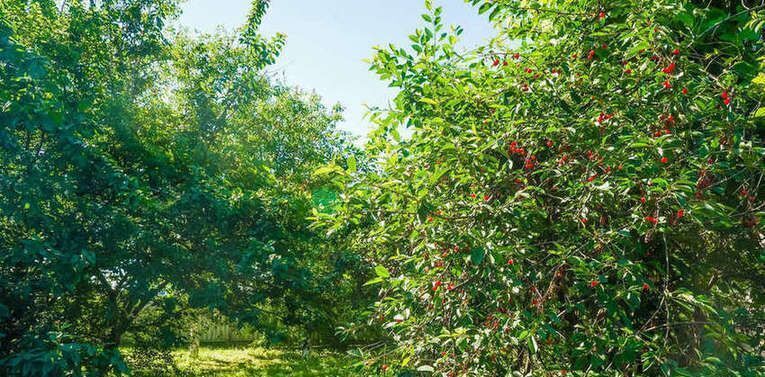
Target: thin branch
column 716, row 25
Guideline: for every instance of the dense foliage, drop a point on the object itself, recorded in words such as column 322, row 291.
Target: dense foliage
column 145, row 172
column 581, row 196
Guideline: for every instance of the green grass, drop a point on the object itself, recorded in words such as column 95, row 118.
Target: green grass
column 256, row 362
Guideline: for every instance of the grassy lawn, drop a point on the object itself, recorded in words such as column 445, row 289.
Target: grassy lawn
column 256, row 362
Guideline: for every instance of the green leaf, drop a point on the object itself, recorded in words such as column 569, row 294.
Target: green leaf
column 429, row 101
column 382, row 272
column 686, row 18
column 374, row 281
column 477, row 254
column 485, row 7
column 327, row 170
column 531, row 342
column 89, row 256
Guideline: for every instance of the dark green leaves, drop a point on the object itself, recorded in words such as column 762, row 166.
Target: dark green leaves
column 477, row 255
column 599, row 150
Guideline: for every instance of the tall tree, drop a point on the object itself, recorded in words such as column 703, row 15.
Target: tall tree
column 143, row 169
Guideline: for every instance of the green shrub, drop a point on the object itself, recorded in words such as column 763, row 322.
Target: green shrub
column 583, row 195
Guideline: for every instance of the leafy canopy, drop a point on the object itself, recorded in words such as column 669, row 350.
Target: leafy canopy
column 581, row 195
column 146, row 172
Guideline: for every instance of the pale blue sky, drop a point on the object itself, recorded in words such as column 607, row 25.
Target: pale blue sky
column 327, row 41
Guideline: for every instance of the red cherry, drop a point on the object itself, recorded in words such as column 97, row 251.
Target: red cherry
column 472, row 196
column 516, row 56
column 642, row 199
column 529, row 70
column 676, row 51
column 726, row 101
column 384, row 367
column 549, row 143
column 591, row 54
column 628, row 71
column 594, row 283
column 486, row 198
column 504, row 63
column 496, row 62
column 592, row 177
column 680, row 213
column 602, row 15
column 510, row 262
column 646, row 288
column 604, row 117
column 669, row 69
column 651, row 220
column 664, row 160
column 667, row 84
column 583, row 220
column 436, row 284
column 685, row 90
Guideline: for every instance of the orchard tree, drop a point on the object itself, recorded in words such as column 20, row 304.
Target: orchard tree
column 71, row 204
column 143, row 172
column 582, row 196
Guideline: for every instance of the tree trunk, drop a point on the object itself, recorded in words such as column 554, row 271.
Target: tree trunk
column 114, row 338
column 194, row 341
